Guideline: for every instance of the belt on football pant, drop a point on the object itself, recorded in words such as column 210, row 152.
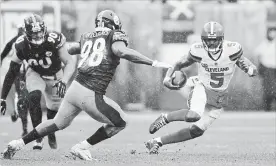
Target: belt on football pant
column 52, row 77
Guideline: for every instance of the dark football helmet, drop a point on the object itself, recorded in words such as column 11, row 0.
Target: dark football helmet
column 35, row 29
column 108, row 19
column 212, row 37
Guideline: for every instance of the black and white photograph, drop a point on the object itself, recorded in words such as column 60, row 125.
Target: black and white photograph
column 138, row 82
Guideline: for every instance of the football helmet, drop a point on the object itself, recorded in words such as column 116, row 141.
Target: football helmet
column 212, row 37
column 35, row 29
column 108, row 19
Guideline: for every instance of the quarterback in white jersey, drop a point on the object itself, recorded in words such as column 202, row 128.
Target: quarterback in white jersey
column 216, row 59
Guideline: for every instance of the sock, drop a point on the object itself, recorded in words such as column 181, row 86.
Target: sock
column 179, row 136
column 98, row 136
column 31, row 136
column 84, row 145
column 178, row 115
column 158, row 139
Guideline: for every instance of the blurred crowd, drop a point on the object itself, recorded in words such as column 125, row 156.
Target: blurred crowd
column 176, row 26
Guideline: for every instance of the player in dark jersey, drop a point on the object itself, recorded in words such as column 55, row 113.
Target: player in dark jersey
column 101, row 52
column 21, row 104
column 44, row 51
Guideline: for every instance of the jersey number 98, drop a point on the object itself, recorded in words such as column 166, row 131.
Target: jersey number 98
column 94, row 56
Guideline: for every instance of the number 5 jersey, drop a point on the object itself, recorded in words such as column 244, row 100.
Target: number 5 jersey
column 215, row 72
column 43, row 59
column 98, row 64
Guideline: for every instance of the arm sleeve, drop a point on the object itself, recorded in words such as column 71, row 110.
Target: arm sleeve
column 9, row 78
column 120, row 36
column 8, row 48
column 192, row 55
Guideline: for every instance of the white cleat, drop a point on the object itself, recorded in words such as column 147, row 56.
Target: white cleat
column 12, row 148
column 81, row 153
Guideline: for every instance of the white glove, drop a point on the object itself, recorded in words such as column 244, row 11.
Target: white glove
column 160, row 64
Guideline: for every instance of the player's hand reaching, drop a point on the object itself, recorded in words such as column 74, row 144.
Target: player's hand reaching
column 61, row 88
column 161, row 64
column 3, row 106
column 168, row 83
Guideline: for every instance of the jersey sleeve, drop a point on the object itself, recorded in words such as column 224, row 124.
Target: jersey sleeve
column 19, row 47
column 58, row 39
column 235, row 51
column 120, row 36
column 193, row 53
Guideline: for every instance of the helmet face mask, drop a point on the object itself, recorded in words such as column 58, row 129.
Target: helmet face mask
column 35, row 30
column 212, row 37
column 212, row 45
column 107, row 20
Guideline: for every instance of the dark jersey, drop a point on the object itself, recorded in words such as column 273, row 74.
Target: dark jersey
column 98, row 64
column 43, row 59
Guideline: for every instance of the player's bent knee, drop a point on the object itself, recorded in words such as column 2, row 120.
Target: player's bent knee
column 195, row 131
column 192, row 116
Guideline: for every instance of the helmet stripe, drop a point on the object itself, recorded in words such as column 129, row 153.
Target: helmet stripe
column 212, row 28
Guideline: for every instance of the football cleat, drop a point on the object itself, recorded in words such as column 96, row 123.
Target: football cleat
column 38, row 145
column 52, row 141
column 81, row 153
column 12, row 148
column 153, row 146
column 158, row 123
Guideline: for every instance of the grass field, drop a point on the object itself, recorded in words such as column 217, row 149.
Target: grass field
column 244, row 139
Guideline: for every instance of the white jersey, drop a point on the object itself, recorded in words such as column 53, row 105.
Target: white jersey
column 216, row 72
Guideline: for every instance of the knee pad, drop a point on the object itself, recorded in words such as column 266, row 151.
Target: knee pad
column 34, row 98
column 195, row 131
column 192, row 116
column 51, row 113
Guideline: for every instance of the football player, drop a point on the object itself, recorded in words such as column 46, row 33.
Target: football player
column 101, row 52
column 217, row 59
column 44, row 52
column 21, row 98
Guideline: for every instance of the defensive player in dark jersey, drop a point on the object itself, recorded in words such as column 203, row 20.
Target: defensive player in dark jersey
column 101, row 52
column 21, row 98
column 44, row 51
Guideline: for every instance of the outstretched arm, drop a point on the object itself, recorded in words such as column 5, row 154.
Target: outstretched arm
column 120, row 49
column 10, row 76
column 182, row 63
column 247, row 66
column 8, row 48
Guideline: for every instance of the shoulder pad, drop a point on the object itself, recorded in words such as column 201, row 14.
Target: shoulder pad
column 235, row 50
column 84, row 36
column 120, row 36
column 56, row 38
column 193, row 53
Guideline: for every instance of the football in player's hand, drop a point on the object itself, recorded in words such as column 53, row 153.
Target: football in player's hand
column 179, row 78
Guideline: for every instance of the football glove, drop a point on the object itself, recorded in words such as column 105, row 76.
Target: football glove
column 160, row 64
column 61, row 88
column 168, row 83
column 3, row 106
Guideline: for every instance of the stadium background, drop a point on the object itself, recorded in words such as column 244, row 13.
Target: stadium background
column 160, row 30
